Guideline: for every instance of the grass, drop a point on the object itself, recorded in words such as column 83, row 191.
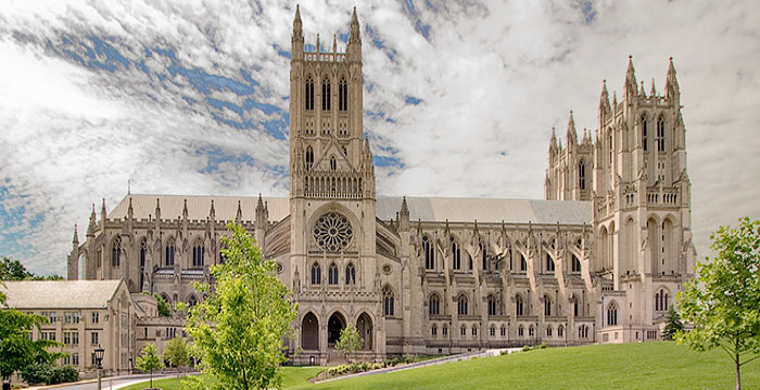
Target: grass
column 626, row 366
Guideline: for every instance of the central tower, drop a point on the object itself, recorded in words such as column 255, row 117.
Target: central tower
column 332, row 196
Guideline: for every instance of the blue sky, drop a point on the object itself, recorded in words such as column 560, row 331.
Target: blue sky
column 460, row 98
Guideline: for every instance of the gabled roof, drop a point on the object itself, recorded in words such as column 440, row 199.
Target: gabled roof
column 60, row 294
column 431, row 209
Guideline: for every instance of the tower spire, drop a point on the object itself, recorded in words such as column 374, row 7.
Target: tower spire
column 630, row 87
column 604, row 100
column 572, row 137
column 354, row 48
column 297, row 24
column 653, row 92
column 671, row 82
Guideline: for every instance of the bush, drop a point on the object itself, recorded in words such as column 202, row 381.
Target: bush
column 526, row 348
column 49, row 374
column 504, row 352
column 542, row 346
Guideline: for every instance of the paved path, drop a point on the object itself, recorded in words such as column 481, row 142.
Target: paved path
column 109, row 383
column 441, row 360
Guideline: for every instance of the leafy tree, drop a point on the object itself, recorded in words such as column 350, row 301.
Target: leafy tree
column 722, row 301
column 16, row 349
column 164, row 309
column 673, row 324
column 239, row 328
column 149, row 361
column 13, row 270
column 177, row 353
column 349, row 341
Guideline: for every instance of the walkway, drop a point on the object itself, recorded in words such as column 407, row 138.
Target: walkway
column 115, row 382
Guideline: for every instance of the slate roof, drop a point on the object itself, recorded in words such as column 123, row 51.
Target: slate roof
column 433, row 209
column 60, row 294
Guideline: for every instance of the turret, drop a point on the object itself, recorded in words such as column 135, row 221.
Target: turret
column 296, row 39
column 354, row 49
column 604, row 101
column 672, row 90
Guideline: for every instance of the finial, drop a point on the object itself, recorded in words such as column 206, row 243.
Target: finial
column 335, row 44
column 129, row 187
column 76, row 236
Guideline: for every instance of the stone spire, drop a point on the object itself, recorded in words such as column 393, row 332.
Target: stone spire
column 239, row 216
column 158, row 209
column 630, row 87
column 185, row 213
column 130, row 210
column 212, row 212
column 553, row 141
column 671, row 82
column 76, row 237
column 296, row 38
column 335, row 44
column 261, row 214
column 404, row 216
column 641, row 90
column 604, row 100
column 91, row 226
column 354, row 48
column 572, row 137
column 297, row 24
column 355, row 35
column 653, row 92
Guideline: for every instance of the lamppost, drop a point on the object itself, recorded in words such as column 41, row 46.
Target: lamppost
column 99, row 359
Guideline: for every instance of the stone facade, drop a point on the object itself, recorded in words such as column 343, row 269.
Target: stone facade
column 599, row 260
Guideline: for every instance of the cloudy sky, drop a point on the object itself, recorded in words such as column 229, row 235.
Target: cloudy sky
column 191, row 97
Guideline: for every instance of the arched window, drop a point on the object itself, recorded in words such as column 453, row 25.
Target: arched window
column 198, row 254
column 547, row 306
column 521, row 331
column 463, row 331
column 170, row 253
column 548, row 331
column 429, row 253
column 332, row 275
column 316, row 274
column 222, row 256
column 462, row 305
column 143, row 252
column 611, row 149
column 474, row 330
column 612, row 314
column 388, row 304
column 434, row 330
column 644, row 132
column 492, row 332
column 192, row 301
column 523, row 263
column 531, row 331
column 576, row 306
column 309, row 95
column 333, row 164
column 560, row 331
column 309, row 157
column 343, row 95
column 325, row 94
column 350, row 274
column 434, row 305
column 503, row 330
column 549, row 263
column 116, row 252
column 484, row 256
column 661, row 300
column 456, row 254
column 576, row 264
column 660, row 140
column 519, row 305
column 582, row 175
column 491, row 305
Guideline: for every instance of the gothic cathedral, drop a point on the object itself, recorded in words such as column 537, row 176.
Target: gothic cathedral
column 599, row 261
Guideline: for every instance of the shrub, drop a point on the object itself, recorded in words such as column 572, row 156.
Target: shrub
column 49, row 374
column 504, row 352
column 526, row 348
column 543, row 346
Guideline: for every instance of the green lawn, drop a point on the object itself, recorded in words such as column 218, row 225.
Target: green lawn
column 627, row 366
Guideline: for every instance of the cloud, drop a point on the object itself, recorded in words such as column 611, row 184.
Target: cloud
column 460, row 99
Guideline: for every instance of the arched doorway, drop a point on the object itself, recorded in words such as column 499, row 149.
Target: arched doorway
column 310, row 332
column 335, row 324
column 364, row 326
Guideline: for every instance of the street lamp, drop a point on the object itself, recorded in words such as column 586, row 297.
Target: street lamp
column 99, row 351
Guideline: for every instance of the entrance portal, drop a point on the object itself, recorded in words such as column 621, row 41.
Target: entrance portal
column 310, row 333
column 364, row 326
column 335, row 324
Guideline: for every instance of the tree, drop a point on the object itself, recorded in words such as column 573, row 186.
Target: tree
column 239, row 328
column 177, row 353
column 722, row 301
column 164, row 309
column 16, row 347
column 349, row 341
column 673, row 324
column 13, row 270
column 149, row 361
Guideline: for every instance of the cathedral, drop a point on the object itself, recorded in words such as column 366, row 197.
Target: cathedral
column 600, row 260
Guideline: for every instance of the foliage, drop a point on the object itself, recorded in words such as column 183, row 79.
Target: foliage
column 352, row 368
column 238, row 329
column 349, row 341
column 177, row 352
column 149, row 361
column 16, row 349
column 673, row 324
column 14, row 270
column 722, row 301
column 49, row 373
column 164, row 309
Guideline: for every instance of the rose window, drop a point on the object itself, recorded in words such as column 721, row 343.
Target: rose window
column 333, row 232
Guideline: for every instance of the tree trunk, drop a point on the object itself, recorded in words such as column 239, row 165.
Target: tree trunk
column 151, row 379
column 738, row 373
